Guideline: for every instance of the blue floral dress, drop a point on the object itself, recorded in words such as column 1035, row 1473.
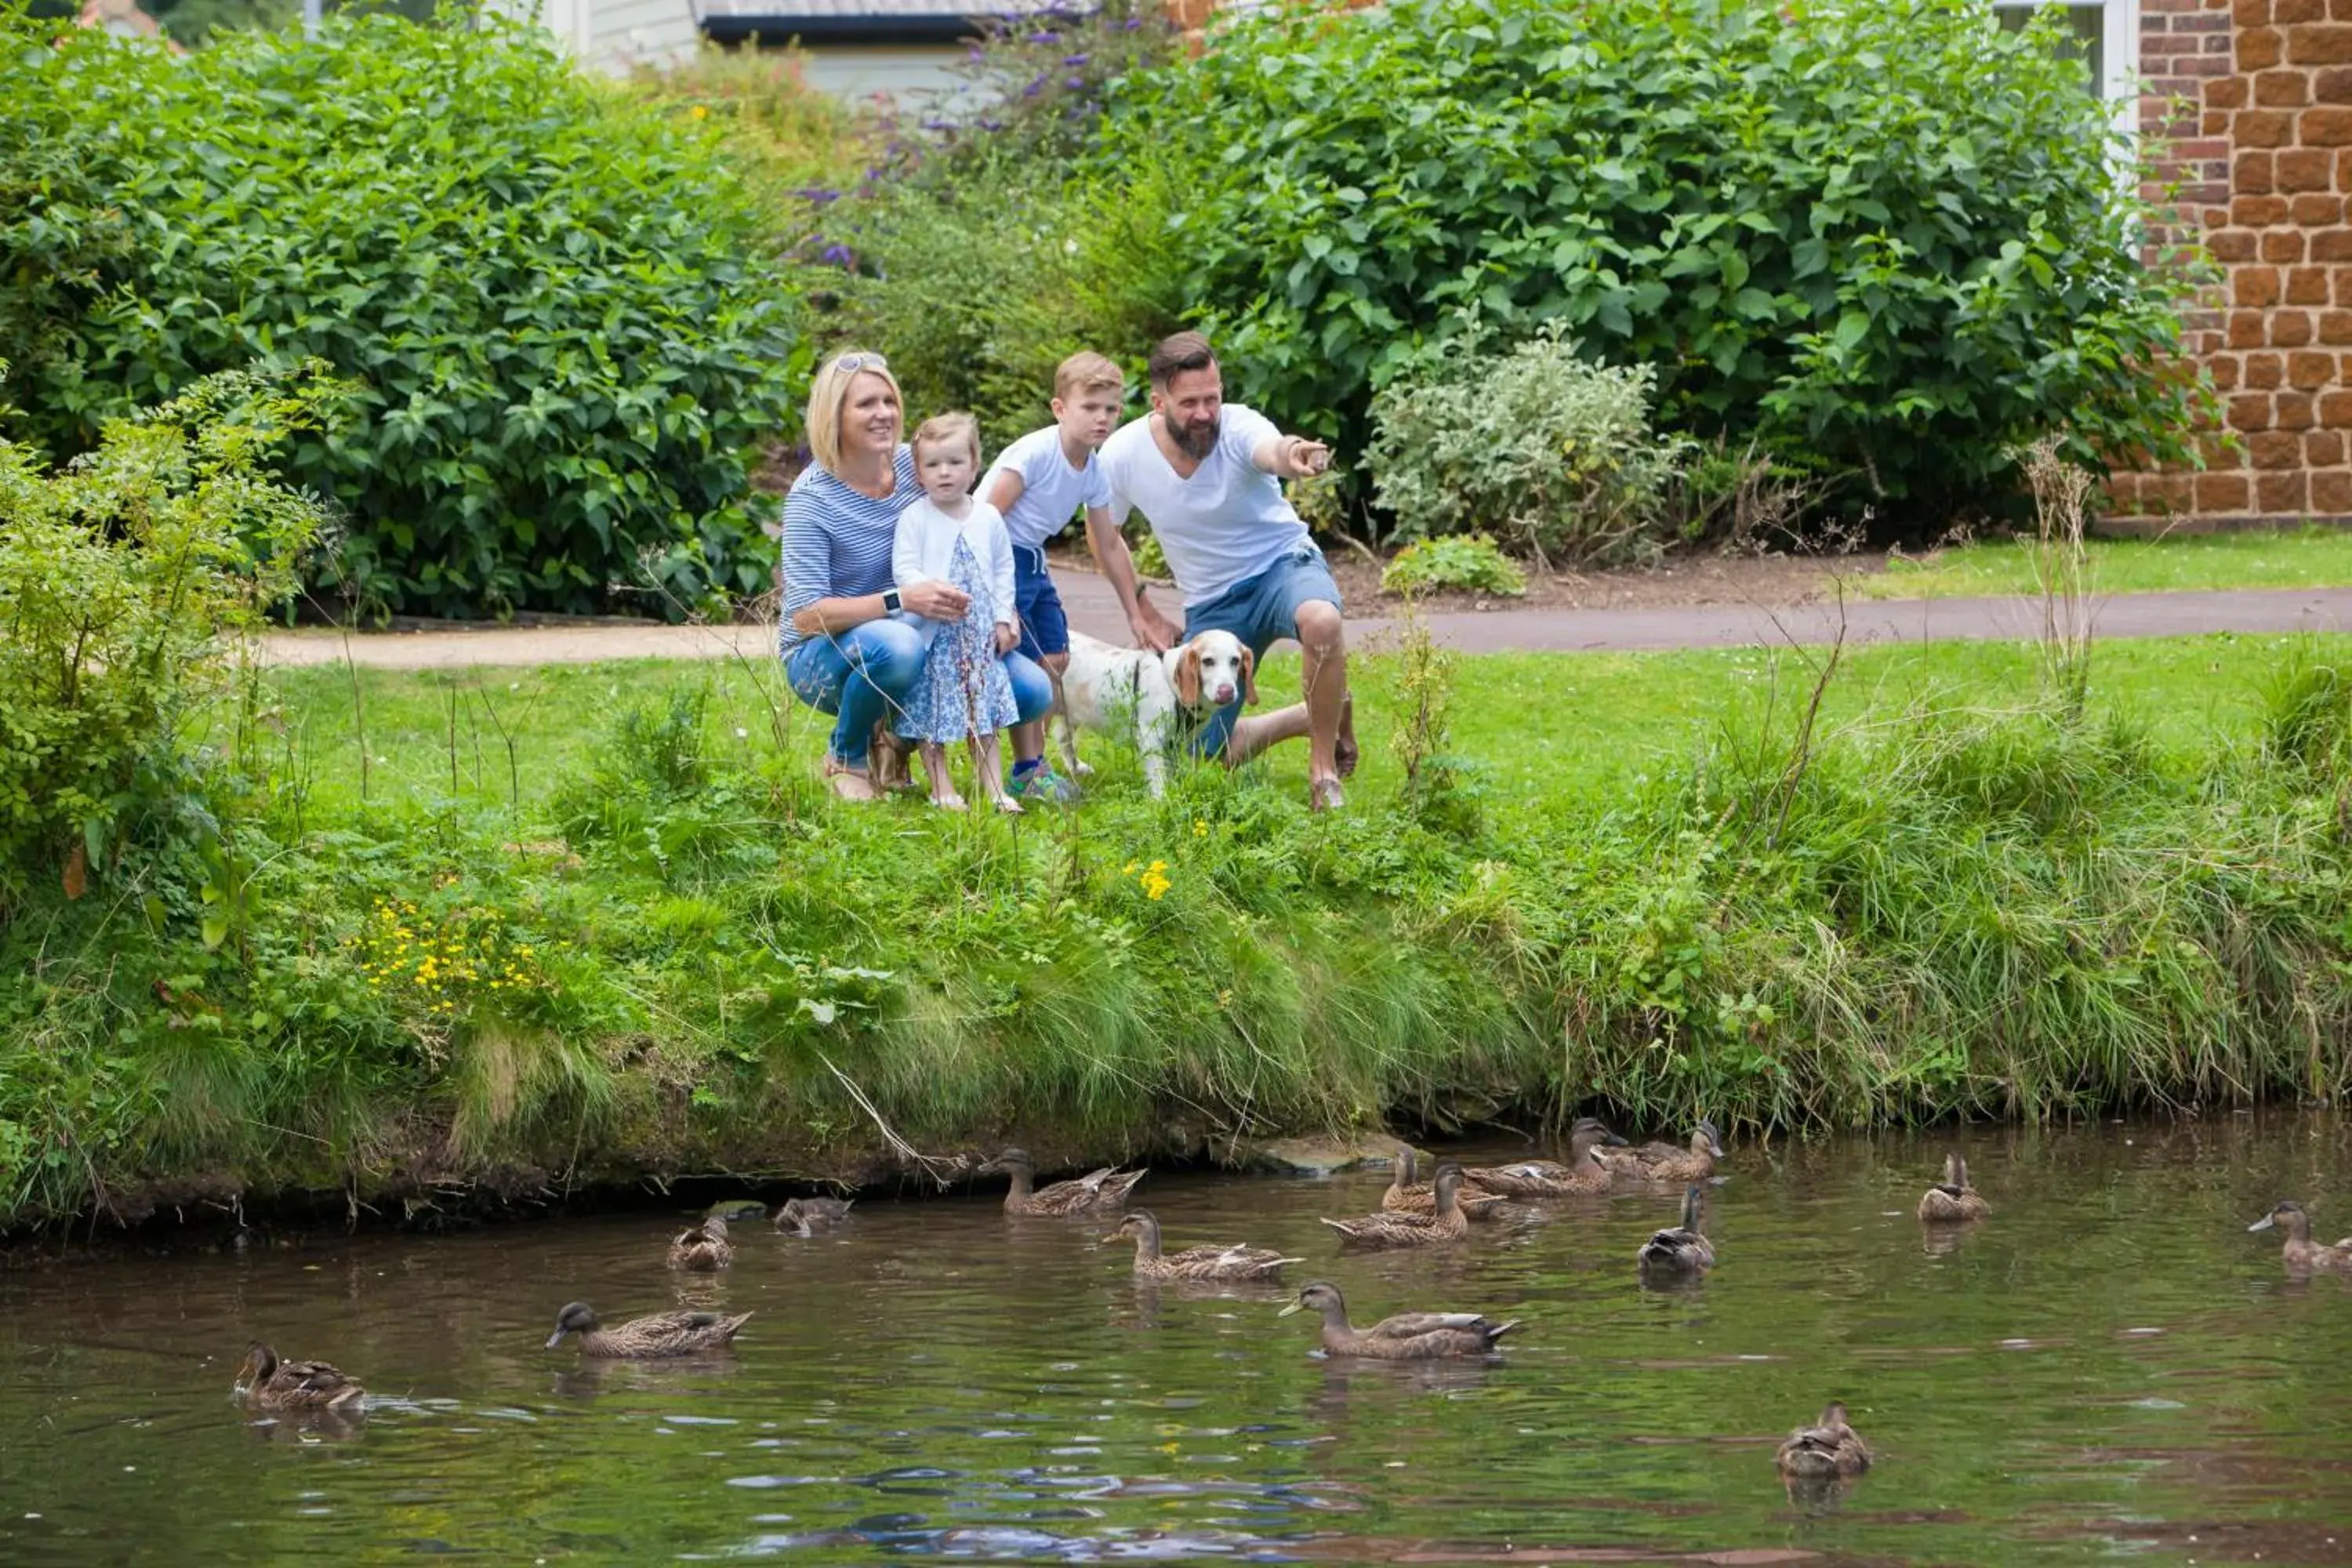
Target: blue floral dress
column 963, row 677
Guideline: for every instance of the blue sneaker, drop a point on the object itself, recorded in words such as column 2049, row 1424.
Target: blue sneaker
column 1045, row 785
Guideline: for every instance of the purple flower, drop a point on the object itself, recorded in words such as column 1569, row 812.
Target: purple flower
column 975, row 54
column 1130, row 25
column 839, row 256
column 818, row 194
column 935, row 123
column 1043, row 37
column 1033, row 88
column 1074, row 81
column 988, row 124
column 1076, row 59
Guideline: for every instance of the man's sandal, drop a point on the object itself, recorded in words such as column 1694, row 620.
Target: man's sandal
column 1325, row 795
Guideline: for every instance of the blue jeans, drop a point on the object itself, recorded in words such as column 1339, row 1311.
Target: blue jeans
column 865, row 672
column 1260, row 611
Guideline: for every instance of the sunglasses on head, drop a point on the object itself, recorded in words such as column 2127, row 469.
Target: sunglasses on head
column 850, row 365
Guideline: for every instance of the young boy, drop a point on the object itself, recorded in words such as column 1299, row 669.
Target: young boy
column 1038, row 482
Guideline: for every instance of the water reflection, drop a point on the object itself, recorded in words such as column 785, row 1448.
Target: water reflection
column 2109, row 1364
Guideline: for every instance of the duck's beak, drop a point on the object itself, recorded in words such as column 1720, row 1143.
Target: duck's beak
column 1612, row 1140
column 555, row 1339
column 1112, row 1235
column 1294, row 1307
column 2263, row 1224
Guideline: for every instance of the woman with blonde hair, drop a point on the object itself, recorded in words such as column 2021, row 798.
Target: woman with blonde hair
column 843, row 653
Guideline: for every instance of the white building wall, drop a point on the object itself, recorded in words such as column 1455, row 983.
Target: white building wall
column 614, row 35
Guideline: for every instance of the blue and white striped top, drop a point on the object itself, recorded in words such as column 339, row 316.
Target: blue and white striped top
column 837, row 540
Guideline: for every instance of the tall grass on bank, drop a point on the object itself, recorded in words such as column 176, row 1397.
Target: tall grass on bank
column 682, row 962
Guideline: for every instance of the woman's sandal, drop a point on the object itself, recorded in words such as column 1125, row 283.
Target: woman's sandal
column 849, row 781
column 1325, row 795
column 949, row 802
column 1008, row 806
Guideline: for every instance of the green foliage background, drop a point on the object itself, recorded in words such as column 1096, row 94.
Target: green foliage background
column 563, row 327
column 1888, row 240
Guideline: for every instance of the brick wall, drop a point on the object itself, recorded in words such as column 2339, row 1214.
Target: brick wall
column 2255, row 98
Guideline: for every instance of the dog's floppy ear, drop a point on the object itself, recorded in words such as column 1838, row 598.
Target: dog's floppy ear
column 1187, row 675
column 1249, row 679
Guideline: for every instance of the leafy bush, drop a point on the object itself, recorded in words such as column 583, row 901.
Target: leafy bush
column 977, row 287
column 1470, row 562
column 119, row 577
column 57, row 228
column 1890, row 240
column 986, row 258
column 553, row 302
column 796, row 149
column 1039, row 82
column 1552, row 450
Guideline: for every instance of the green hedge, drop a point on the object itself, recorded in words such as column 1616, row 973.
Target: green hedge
column 565, row 329
column 1889, row 240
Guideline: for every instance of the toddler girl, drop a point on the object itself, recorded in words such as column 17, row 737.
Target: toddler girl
column 963, row 693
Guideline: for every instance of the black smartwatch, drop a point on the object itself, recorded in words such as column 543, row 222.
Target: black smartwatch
column 890, row 603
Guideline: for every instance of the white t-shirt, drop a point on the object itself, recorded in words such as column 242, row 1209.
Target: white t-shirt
column 1226, row 523
column 1051, row 490
column 925, row 548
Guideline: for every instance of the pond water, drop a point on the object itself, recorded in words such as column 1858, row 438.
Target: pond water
column 2110, row 1368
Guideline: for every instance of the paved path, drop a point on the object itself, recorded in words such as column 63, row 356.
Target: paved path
column 1093, row 609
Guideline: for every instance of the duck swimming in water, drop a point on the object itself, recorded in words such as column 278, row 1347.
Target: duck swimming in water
column 1408, row 1336
column 1090, row 1194
column 2300, row 1251
column 267, row 1382
column 1952, row 1200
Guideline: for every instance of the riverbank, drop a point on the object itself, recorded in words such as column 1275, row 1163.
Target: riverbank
column 569, row 928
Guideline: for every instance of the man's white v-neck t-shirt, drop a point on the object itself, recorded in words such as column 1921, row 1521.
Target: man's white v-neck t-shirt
column 1226, row 523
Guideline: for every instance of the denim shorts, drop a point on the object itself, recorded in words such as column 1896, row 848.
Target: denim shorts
column 1044, row 628
column 1260, row 611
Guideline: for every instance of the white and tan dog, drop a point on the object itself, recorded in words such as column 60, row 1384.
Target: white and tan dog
column 1135, row 692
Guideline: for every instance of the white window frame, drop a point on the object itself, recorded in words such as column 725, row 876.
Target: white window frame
column 2120, row 84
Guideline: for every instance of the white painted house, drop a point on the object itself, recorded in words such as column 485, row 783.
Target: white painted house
column 616, row 34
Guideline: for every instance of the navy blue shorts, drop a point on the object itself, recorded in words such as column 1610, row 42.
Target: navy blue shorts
column 1044, row 628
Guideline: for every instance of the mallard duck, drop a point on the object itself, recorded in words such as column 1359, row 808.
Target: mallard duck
column 269, row 1383
column 1235, row 1262
column 1681, row 1249
column 1445, row 1222
column 1096, row 1190
column 809, row 1217
column 702, row 1247
column 646, row 1339
column 1666, row 1162
column 1408, row 1336
column 1952, row 1199
column 2300, row 1251
column 1406, row 1193
column 1584, row 1172
column 1830, row 1448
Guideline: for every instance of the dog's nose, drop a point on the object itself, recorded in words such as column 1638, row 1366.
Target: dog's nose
column 1225, row 694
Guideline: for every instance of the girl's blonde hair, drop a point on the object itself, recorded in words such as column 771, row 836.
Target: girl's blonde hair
column 827, row 395
column 941, row 428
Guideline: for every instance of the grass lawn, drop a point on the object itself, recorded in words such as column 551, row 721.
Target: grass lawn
column 585, row 923
column 2308, row 558
column 1543, row 727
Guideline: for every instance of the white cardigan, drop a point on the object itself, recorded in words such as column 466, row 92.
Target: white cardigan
column 924, row 550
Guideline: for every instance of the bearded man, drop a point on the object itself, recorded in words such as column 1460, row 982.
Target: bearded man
column 1207, row 476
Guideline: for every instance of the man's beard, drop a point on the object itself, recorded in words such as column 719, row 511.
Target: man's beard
column 1195, row 441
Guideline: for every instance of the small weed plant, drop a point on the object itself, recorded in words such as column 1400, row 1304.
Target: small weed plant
column 1468, row 562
